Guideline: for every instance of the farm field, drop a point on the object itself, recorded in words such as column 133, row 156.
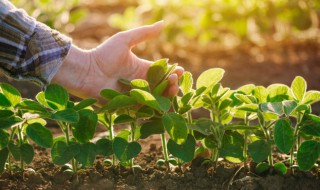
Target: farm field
column 245, row 67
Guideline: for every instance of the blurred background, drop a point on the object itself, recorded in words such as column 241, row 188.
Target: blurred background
column 255, row 41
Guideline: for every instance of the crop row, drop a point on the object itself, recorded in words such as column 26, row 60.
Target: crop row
column 250, row 121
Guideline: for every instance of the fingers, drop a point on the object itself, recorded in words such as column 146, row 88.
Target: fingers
column 173, row 88
column 138, row 35
column 179, row 71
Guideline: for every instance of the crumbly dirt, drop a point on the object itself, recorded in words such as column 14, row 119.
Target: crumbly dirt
column 42, row 174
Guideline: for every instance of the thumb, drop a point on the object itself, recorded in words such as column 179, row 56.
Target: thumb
column 143, row 33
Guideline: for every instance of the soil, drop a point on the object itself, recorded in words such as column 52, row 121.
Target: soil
column 275, row 62
column 42, row 174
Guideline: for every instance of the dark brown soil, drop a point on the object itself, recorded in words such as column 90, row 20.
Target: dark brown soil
column 45, row 175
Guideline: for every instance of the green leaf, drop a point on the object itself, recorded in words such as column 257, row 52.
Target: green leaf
column 68, row 115
column 5, row 114
column 11, row 121
column 109, row 93
column 163, row 102
column 249, row 107
column 260, row 93
column 209, row 77
column 145, row 98
column 24, row 152
column 202, row 125
column 176, row 127
column 186, row 98
column 308, row 154
column 41, row 135
column 27, row 153
column 289, row 106
column 145, row 112
column 151, row 127
column 224, row 104
column 87, row 154
column 159, row 89
column 186, row 82
column 41, row 99
column 274, row 107
column 124, row 134
column 261, row 167
column 104, row 147
column 277, row 93
column 61, row 153
column 311, row 97
column 243, row 98
column 246, row 89
column 259, row 150
column 310, row 125
column 4, row 102
column 84, row 103
column 299, row 87
column 84, row 130
column 123, row 118
column 302, row 107
column 215, row 89
column 14, row 150
column 118, row 102
column 157, row 72
column 232, row 152
column 4, row 139
column 280, row 168
column 124, row 150
column 140, row 84
column 11, row 93
column 4, row 154
column 283, row 135
column 56, row 97
column 184, row 151
column 32, row 107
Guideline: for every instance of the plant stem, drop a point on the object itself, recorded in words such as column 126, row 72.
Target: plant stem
column 245, row 149
column 215, row 156
column 245, row 144
column 111, row 137
column 73, row 162
column 296, row 130
column 20, row 143
column 165, row 152
column 13, row 130
column 133, row 129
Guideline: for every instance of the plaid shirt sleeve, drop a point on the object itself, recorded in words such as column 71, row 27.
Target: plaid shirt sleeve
column 29, row 50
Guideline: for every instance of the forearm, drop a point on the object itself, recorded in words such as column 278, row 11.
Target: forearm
column 29, row 50
column 73, row 70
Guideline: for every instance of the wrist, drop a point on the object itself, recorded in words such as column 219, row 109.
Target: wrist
column 72, row 70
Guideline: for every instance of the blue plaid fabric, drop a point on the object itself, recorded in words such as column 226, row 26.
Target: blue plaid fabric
column 29, row 50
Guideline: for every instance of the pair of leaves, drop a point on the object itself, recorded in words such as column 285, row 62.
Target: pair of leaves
column 125, row 150
column 286, row 107
column 85, row 154
column 23, row 152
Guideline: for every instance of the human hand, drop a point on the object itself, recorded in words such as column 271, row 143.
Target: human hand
column 86, row 73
